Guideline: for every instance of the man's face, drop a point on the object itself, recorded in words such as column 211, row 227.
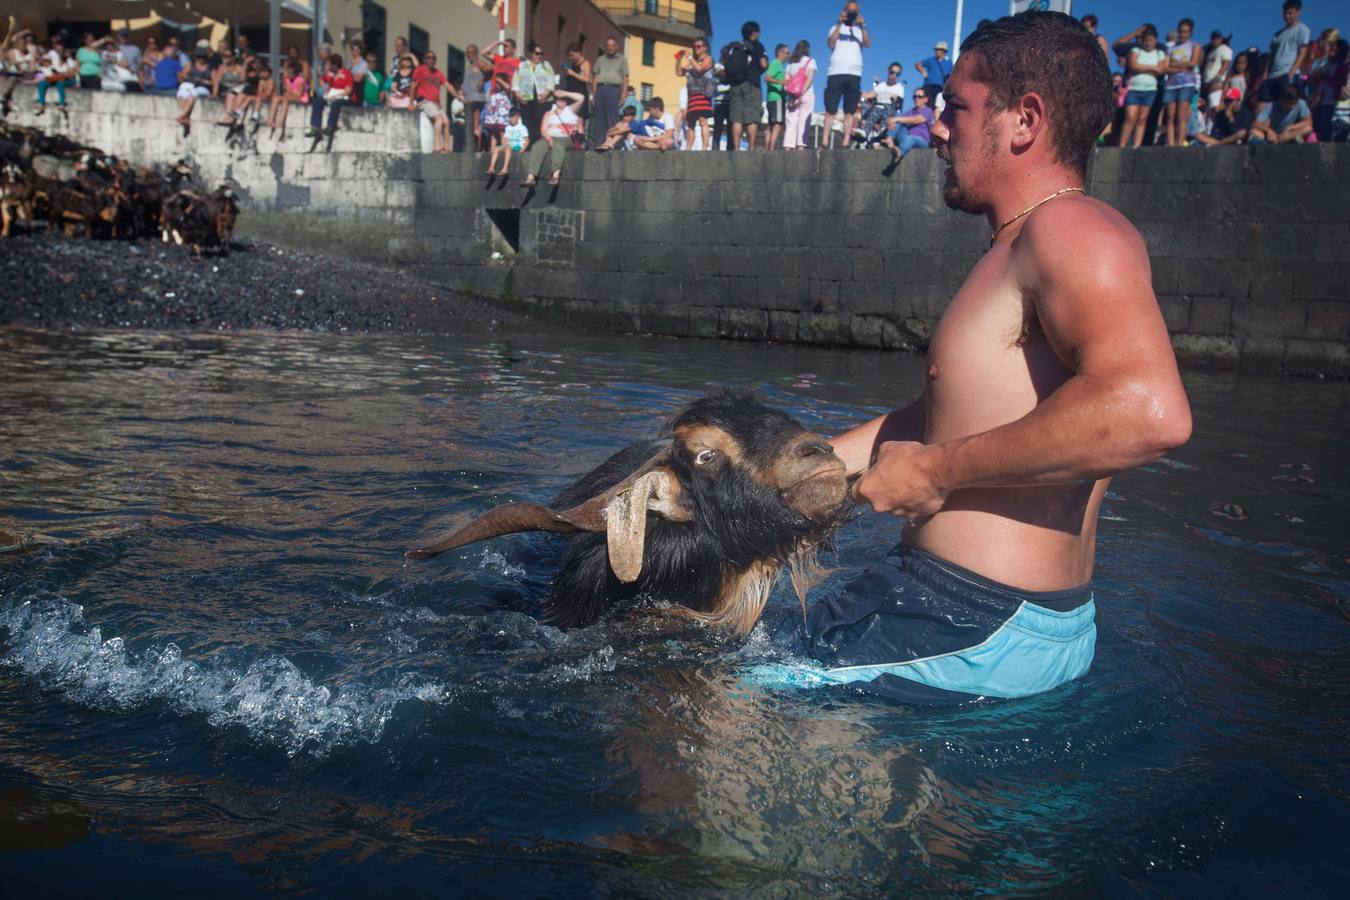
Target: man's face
column 782, row 54
column 611, row 47
column 940, row 52
column 893, row 75
column 1183, row 33
column 972, row 141
column 1291, row 15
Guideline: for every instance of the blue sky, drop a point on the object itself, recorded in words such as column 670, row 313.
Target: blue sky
column 907, row 31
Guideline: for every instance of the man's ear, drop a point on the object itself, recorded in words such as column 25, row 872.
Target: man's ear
column 1030, row 122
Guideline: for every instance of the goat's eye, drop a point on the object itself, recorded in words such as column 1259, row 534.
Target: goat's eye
column 704, row 457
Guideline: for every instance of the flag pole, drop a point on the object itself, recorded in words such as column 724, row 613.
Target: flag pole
column 956, row 32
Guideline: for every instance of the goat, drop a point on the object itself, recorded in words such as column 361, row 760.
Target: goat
column 704, row 517
column 200, row 220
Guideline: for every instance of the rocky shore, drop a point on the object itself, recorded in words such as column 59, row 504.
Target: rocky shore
column 50, row 281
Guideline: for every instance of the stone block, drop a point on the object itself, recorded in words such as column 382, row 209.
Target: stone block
column 705, row 228
column 1105, row 166
column 1211, row 315
column 826, row 295
column 1255, row 319
column 1332, row 243
column 785, row 293
column 867, row 264
column 1166, row 275
column 1325, row 203
column 1176, row 312
column 1320, row 281
column 1328, row 321
column 1317, row 359
column 1206, row 351
column 1214, row 278
column 1224, row 165
column 824, row 328
column 704, row 321
column 1261, row 355
column 671, row 320
column 869, row 298
column 1272, row 282
column 782, row 325
column 744, row 324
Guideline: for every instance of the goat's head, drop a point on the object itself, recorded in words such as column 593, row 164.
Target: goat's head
column 705, row 515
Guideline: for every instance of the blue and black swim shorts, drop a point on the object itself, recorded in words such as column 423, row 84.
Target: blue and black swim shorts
column 919, row 629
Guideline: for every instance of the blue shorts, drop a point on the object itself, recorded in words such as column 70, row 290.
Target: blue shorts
column 1140, row 98
column 919, row 629
column 1184, row 94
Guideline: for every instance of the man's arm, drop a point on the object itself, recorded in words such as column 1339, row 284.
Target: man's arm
column 1087, row 274
column 922, row 71
column 858, row 447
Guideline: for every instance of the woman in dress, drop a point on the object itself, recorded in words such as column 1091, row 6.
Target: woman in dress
column 800, row 104
column 700, row 87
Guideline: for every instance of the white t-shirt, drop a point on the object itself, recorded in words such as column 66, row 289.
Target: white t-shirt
column 668, row 121
column 890, row 93
column 846, row 57
column 1214, row 65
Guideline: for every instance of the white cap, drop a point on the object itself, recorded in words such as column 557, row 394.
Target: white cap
column 940, row 45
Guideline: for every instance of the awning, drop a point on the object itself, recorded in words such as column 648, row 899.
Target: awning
column 245, row 12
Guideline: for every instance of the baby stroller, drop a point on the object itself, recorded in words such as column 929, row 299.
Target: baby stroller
column 870, row 130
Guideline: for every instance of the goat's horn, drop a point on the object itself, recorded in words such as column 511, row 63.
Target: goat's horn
column 511, row 518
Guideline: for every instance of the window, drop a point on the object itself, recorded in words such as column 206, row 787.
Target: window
column 419, row 42
column 648, row 51
column 562, row 30
column 653, row 7
column 454, row 64
column 373, row 23
column 646, row 93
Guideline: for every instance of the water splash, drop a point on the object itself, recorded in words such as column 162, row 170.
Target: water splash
column 271, row 698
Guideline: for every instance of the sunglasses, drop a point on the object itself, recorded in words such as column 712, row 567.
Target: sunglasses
column 919, row 95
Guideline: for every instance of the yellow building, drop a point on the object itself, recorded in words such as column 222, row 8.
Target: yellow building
column 445, row 26
column 657, row 30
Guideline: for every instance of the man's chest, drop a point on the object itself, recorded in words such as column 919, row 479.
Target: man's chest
column 988, row 362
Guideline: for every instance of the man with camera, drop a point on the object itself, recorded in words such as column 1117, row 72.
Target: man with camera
column 843, row 83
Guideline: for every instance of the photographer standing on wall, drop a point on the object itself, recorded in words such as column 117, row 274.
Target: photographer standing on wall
column 847, row 39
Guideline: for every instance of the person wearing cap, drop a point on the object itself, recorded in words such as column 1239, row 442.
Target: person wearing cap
column 1231, row 122
column 935, row 70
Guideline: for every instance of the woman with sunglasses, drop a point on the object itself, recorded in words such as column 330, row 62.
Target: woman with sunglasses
column 911, row 131
column 700, row 80
column 532, row 86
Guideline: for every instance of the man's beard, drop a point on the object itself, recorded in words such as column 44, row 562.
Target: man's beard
column 959, row 196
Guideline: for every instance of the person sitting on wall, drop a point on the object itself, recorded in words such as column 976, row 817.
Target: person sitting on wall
column 195, row 82
column 557, row 128
column 515, row 139
column 335, row 92
column 1285, row 122
column 620, row 132
column 294, row 89
column 653, row 132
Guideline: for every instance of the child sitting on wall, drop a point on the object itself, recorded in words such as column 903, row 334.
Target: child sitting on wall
column 620, row 131
column 515, row 139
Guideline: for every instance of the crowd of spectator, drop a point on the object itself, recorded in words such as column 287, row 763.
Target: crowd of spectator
column 1174, row 92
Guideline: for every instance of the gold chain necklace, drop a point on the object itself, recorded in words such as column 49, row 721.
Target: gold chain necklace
column 999, row 230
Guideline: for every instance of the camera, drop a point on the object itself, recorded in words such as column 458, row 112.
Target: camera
column 850, row 17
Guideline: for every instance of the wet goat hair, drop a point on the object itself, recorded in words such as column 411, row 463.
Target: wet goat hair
column 716, row 534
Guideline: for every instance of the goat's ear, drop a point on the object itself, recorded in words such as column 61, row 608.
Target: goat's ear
column 657, row 490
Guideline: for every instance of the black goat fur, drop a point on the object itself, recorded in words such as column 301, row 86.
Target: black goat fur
column 740, row 522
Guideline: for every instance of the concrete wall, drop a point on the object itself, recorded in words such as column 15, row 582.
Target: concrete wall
column 1249, row 245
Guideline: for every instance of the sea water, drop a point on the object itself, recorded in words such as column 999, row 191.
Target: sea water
column 218, row 675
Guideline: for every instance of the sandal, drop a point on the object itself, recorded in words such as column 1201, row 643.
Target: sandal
column 555, row 178
column 530, row 181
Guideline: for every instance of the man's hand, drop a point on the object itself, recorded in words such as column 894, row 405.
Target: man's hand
column 902, row 481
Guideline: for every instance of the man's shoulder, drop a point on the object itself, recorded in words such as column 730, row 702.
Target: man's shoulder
column 1074, row 235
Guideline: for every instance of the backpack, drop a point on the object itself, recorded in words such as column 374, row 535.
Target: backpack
column 738, row 62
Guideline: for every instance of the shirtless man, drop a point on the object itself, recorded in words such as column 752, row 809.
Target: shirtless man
column 1050, row 371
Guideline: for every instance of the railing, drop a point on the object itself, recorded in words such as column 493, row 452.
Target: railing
column 665, row 10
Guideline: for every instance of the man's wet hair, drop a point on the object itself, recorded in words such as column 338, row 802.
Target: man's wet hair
column 1053, row 55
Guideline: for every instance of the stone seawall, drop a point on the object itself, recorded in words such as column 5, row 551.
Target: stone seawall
column 1249, row 245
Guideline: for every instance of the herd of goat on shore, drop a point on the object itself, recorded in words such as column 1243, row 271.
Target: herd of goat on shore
column 81, row 190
